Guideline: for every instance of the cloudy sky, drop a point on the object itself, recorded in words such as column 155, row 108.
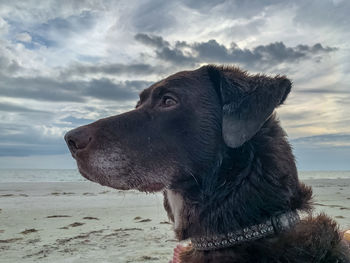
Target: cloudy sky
column 68, row 63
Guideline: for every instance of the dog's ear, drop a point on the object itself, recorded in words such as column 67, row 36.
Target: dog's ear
column 247, row 101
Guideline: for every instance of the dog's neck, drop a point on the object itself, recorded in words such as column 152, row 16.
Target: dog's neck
column 252, row 184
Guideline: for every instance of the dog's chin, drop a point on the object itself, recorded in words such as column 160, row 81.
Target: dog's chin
column 101, row 179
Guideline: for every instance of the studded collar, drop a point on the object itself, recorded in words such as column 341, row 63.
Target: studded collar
column 273, row 225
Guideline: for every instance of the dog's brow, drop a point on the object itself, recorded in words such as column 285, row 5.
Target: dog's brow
column 144, row 94
column 161, row 90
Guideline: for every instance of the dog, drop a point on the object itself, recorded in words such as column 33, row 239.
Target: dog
column 209, row 139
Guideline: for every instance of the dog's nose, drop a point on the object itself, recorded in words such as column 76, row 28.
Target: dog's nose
column 78, row 139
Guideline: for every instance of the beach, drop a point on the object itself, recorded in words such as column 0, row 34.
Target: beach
column 85, row 222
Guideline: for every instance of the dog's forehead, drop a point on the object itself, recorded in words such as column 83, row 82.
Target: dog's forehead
column 183, row 80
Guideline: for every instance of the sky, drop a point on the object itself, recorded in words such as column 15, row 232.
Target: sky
column 68, row 63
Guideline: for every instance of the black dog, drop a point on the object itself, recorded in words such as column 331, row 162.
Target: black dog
column 209, row 139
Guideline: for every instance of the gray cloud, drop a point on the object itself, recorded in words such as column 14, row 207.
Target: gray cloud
column 154, row 15
column 344, row 100
column 324, row 90
column 71, row 24
column 322, row 152
column 76, row 121
column 40, row 88
column 8, row 66
column 17, row 108
column 49, row 89
column 323, row 13
column 204, row 5
column 157, row 16
column 50, row 32
column 241, row 31
column 24, row 140
column 324, row 138
column 117, row 69
column 297, row 116
column 106, row 89
column 211, row 51
column 322, row 158
column 314, row 13
column 30, row 10
column 339, row 87
column 151, row 40
column 176, row 56
column 227, row 8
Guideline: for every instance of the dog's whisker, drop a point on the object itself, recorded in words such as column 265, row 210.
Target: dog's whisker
column 194, row 177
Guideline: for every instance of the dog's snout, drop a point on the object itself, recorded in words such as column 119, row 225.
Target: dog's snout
column 78, row 139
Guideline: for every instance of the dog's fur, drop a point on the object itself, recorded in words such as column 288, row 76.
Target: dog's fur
column 209, row 139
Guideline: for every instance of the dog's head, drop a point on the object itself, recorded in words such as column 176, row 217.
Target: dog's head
column 180, row 127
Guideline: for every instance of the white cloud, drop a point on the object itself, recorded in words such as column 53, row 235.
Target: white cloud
column 24, row 37
column 3, row 27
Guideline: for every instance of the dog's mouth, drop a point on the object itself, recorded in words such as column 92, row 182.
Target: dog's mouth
column 150, row 187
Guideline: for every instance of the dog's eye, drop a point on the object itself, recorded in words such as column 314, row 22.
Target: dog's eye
column 168, row 101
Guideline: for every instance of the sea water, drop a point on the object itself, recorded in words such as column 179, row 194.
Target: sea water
column 72, row 175
column 40, row 175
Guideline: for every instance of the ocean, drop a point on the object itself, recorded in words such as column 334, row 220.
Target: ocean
column 72, row 175
column 40, row 175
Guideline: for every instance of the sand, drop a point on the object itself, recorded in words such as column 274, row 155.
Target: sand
column 85, row 222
